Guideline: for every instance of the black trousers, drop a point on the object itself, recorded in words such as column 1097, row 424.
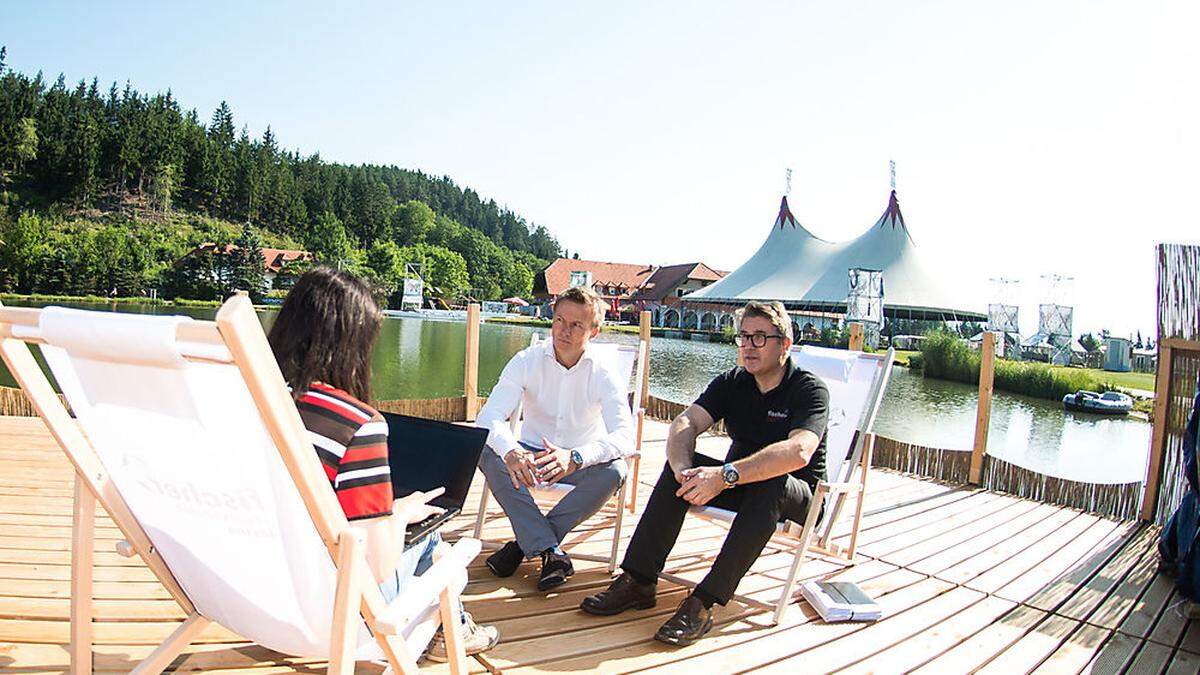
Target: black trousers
column 760, row 507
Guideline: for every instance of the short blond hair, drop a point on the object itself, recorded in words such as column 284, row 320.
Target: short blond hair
column 586, row 297
column 774, row 312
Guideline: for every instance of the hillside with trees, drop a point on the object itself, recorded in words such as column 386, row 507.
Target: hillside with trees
column 104, row 190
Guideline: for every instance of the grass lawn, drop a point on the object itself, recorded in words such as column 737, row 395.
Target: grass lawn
column 1130, row 380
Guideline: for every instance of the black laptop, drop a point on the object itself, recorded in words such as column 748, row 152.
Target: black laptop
column 427, row 454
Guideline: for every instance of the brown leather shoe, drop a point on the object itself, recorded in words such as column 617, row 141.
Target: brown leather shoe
column 690, row 623
column 622, row 594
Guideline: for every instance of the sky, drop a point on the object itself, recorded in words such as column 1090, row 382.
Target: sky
column 1030, row 137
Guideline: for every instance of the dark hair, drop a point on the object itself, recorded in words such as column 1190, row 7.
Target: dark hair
column 325, row 332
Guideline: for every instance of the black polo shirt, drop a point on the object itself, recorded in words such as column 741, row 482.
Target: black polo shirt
column 755, row 419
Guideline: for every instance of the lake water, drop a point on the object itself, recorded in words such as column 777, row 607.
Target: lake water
column 424, row 359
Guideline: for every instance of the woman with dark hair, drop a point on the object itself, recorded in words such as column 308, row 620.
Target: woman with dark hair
column 322, row 339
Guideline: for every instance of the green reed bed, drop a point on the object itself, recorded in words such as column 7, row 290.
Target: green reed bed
column 945, row 356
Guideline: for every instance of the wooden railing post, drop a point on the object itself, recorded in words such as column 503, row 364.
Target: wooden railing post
column 1162, row 392
column 644, row 336
column 983, row 416
column 471, row 363
column 856, row 337
column 82, row 547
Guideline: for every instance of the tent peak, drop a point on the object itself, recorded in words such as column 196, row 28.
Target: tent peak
column 892, row 215
column 785, row 214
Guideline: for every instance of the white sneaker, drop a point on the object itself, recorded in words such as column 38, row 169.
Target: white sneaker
column 476, row 639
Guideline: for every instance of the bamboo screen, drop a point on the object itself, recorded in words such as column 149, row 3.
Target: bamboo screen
column 1178, row 317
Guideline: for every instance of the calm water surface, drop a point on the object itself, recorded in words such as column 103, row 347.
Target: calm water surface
column 424, row 359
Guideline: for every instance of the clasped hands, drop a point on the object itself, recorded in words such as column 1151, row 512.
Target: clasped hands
column 699, row 484
column 549, row 465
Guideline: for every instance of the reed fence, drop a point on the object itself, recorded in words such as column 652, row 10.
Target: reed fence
column 663, row 410
column 448, row 409
column 1177, row 380
column 14, row 403
column 952, row 466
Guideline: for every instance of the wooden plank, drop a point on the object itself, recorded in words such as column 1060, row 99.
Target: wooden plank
column 1144, row 614
column 1088, row 597
column 895, row 520
column 1124, row 598
column 113, row 633
column 1183, row 662
column 471, row 363
column 1152, row 658
column 815, row 646
column 1008, row 551
column 926, row 645
column 983, row 413
column 952, row 548
column 985, row 644
column 935, row 524
column 1114, row 655
column 1028, row 651
column 1172, row 623
column 1080, row 559
column 1077, row 651
column 1054, row 552
column 632, row 646
column 82, row 552
column 1162, row 387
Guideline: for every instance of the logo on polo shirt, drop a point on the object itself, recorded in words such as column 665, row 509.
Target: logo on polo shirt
column 777, row 414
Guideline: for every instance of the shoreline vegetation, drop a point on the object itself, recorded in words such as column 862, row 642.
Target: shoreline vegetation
column 944, row 356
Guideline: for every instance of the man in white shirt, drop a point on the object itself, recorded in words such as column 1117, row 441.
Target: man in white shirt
column 576, row 430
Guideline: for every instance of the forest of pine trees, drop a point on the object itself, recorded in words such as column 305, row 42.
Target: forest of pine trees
column 104, row 190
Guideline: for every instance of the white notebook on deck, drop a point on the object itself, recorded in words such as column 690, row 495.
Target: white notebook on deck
column 840, row 601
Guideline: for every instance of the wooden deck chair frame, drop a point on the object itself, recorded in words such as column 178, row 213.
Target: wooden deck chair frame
column 626, row 497
column 238, row 330
column 813, row 537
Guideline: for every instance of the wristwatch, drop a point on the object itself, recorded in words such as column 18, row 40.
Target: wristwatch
column 730, row 475
column 577, row 458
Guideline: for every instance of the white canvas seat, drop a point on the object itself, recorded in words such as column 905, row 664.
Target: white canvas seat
column 856, row 382
column 186, row 434
column 628, row 362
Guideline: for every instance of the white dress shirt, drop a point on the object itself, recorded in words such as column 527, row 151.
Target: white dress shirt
column 584, row 408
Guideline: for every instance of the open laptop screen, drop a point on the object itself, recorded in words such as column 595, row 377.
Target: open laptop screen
column 425, row 454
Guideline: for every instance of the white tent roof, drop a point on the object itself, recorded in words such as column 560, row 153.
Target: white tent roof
column 807, row 272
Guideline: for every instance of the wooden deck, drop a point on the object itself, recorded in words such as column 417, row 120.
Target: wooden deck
column 969, row 580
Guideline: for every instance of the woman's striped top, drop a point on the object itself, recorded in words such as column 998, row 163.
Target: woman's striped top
column 350, row 438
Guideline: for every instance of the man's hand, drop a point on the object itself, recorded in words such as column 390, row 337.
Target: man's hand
column 521, row 468
column 680, row 476
column 415, row 507
column 700, row 484
column 553, row 463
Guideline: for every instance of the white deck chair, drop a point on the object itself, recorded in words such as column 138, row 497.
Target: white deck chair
column 627, row 361
column 187, row 436
column 856, row 382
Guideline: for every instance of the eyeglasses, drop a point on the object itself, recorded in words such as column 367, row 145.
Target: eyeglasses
column 755, row 339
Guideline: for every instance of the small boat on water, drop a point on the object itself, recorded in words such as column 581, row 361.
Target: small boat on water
column 1108, row 403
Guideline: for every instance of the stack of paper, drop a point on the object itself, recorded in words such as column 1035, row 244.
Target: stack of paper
column 840, row 601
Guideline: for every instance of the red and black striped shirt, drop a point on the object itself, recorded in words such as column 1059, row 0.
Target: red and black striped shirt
column 350, row 438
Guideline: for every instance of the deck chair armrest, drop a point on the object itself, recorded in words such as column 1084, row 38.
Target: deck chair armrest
column 450, row 570
column 835, row 488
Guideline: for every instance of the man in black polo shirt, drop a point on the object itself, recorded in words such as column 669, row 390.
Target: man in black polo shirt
column 775, row 414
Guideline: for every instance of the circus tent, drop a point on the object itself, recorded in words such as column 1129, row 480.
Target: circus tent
column 809, row 273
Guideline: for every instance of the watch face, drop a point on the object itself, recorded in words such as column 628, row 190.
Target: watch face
column 577, row 457
column 730, row 475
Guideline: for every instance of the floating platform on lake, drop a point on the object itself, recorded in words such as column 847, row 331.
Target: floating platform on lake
column 968, row 579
